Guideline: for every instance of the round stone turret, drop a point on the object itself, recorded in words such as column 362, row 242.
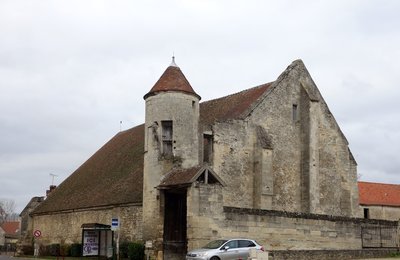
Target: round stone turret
column 171, row 141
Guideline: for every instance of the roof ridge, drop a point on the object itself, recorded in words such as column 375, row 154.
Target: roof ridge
column 380, row 183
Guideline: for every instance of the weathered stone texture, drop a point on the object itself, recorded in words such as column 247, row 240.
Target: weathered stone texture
column 65, row 227
column 383, row 212
column 330, row 254
column 276, row 230
column 308, row 148
column 233, row 161
column 204, row 214
column 182, row 110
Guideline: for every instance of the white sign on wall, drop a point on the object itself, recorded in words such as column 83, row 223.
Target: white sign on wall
column 114, row 224
column 90, row 242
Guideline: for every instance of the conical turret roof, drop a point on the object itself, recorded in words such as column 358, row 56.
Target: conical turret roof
column 172, row 80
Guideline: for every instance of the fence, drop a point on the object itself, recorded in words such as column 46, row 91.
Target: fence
column 379, row 236
column 7, row 249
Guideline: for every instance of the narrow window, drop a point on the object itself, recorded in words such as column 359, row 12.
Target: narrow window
column 294, row 113
column 207, row 148
column 166, row 137
column 366, row 213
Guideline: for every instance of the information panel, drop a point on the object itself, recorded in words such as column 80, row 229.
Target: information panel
column 90, row 243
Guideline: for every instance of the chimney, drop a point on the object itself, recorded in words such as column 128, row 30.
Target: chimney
column 52, row 187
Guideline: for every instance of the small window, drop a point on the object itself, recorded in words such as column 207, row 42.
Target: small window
column 366, row 213
column 246, row 243
column 207, row 148
column 232, row 244
column 166, row 137
column 294, row 113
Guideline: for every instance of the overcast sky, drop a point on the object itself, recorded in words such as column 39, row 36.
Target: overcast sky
column 70, row 71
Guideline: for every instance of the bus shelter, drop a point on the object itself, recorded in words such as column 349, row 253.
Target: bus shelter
column 97, row 240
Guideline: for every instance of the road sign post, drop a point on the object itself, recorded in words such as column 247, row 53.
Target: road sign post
column 115, row 227
column 36, row 234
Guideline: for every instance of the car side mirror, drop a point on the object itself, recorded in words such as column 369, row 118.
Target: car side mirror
column 226, row 248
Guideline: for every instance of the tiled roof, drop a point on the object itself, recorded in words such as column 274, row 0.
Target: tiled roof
column 379, row 194
column 11, row 228
column 113, row 175
column 180, row 176
column 183, row 177
column 232, row 106
column 172, row 80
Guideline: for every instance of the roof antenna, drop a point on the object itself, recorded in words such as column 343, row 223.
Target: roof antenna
column 52, row 178
column 120, row 126
column 173, row 64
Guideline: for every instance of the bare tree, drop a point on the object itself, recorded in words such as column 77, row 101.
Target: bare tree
column 7, row 210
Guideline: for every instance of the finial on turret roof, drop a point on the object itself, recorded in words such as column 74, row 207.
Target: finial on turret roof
column 173, row 64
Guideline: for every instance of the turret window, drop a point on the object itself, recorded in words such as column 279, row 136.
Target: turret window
column 166, row 137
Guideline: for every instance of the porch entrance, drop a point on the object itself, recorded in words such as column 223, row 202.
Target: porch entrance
column 175, row 245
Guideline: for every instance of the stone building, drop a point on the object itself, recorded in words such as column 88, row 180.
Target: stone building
column 380, row 200
column 270, row 158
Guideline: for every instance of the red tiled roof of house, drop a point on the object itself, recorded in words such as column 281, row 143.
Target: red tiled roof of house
column 381, row 194
column 172, row 80
column 11, row 228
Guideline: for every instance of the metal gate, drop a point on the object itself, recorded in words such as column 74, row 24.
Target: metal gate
column 379, row 236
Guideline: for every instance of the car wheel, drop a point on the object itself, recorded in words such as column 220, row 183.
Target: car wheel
column 214, row 258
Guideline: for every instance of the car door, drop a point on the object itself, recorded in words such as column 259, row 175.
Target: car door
column 232, row 251
column 244, row 247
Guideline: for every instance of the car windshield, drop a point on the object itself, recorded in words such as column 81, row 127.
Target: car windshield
column 215, row 244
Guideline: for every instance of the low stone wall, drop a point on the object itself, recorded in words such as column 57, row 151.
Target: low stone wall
column 207, row 220
column 279, row 230
column 329, row 254
column 65, row 227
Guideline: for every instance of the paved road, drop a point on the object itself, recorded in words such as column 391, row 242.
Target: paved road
column 5, row 257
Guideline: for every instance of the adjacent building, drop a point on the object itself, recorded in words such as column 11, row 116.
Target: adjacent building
column 380, row 200
column 10, row 232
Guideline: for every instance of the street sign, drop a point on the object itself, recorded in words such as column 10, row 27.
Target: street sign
column 37, row 233
column 114, row 224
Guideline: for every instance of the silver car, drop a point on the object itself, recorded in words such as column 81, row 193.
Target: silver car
column 224, row 249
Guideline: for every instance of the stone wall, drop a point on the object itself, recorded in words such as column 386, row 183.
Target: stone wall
column 65, row 227
column 331, row 254
column 26, row 219
column 204, row 214
column 383, row 212
column 313, row 170
column 233, row 161
column 279, row 230
column 275, row 230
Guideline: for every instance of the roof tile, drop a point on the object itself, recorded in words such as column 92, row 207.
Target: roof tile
column 11, row 227
column 113, row 175
column 172, row 80
column 180, row 176
column 381, row 194
column 232, row 106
